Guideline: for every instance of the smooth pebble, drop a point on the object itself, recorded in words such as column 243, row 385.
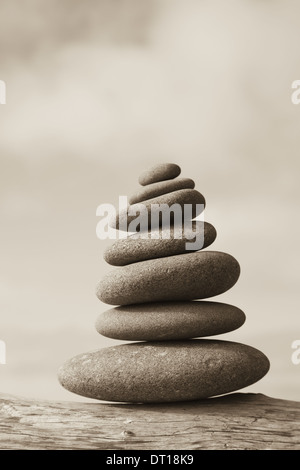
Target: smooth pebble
column 189, row 204
column 160, row 188
column 166, row 371
column 188, row 276
column 169, row 321
column 160, row 172
column 194, row 236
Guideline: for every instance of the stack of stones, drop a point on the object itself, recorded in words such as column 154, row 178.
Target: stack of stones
column 156, row 286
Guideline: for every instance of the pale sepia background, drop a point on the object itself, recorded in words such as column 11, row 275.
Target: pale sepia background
column 98, row 91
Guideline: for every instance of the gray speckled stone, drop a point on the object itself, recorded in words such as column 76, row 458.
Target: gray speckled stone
column 181, row 197
column 134, row 248
column 160, row 188
column 164, row 371
column 160, row 172
column 181, row 277
column 169, row 321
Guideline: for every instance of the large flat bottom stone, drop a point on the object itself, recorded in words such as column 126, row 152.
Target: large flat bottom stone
column 164, row 371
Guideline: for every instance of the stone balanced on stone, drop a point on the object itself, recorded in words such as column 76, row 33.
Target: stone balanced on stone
column 156, row 287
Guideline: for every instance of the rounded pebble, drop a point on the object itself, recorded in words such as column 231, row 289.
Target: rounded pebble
column 160, row 188
column 181, row 277
column 194, row 236
column 169, row 321
column 160, row 172
column 190, row 203
column 166, row 371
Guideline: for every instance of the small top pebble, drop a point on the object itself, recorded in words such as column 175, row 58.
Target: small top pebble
column 161, row 172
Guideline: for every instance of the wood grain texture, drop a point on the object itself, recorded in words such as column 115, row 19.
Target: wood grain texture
column 236, row 421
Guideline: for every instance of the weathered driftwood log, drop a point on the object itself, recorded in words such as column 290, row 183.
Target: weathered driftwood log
column 236, row 421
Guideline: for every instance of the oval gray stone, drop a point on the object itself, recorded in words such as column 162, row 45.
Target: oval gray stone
column 181, row 277
column 188, row 202
column 169, row 321
column 160, row 172
column 166, row 371
column 160, row 188
column 194, row 237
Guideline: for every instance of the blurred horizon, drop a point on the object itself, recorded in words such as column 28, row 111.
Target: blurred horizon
column 99, row 91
